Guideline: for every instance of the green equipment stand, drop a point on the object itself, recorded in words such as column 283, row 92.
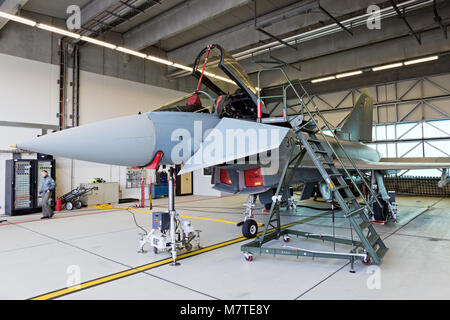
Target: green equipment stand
column 370, row 248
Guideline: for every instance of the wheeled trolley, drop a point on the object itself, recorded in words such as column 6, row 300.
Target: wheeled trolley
column 72, row 198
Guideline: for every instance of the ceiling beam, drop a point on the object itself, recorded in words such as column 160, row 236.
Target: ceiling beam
column 441, row 66
column 94, row 8
column 402, row 16
column 365, row 48
column 12, row 7
column 182, row 17
column 291, row 18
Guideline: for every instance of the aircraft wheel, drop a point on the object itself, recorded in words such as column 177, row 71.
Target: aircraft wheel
column 366, row 261
column 155, row 250
column 78, row 204
column 69, row 205
column 188, row 246
column 249, row 228
column 248, row 257
column 286, row 239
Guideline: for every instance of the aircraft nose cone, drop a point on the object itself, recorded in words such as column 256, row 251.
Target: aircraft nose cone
column 126, row 141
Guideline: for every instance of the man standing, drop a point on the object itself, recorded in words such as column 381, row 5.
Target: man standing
column 48, row 185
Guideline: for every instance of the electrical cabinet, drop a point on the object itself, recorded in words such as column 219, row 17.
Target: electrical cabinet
column 134, row 177
column 107, row 192
column 23, row 181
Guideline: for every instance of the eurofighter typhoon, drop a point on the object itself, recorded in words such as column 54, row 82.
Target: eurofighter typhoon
column 226, row 125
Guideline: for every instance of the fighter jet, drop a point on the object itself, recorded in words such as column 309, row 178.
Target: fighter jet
column 226, row 126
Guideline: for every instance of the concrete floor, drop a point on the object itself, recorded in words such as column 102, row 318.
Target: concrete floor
column 40, row 256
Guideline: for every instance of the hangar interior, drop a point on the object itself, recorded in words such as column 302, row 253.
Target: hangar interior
column 130, row 57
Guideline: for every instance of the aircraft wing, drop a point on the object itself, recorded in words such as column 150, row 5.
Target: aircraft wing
column 393, row 164
column 410, row 163
column 234, row 139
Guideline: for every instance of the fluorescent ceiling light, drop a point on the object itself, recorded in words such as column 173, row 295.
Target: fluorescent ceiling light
column 225, row 79
column 212, row 75
column 17, row 19
column 103, row 44
column 180, row 66
column 132, row 52
column 426, row 59
column 98, row 42
column 323, row 79
column 388, row 66
column 159, row 60
column 58, row 30
column 349, row 74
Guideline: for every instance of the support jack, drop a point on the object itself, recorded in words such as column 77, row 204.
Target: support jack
column 171, row 232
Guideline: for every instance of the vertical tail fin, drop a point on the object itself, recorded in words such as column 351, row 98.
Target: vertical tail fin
column 358, row 125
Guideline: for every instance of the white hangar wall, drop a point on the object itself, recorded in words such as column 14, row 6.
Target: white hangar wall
column 29, row 94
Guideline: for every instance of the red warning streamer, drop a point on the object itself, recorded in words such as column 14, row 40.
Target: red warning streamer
column 204, row 67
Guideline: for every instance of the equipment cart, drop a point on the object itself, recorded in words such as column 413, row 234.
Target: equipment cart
column 72, row 199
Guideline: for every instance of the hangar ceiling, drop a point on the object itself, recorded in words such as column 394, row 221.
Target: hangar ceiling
column 179, row 29
column 55, row 9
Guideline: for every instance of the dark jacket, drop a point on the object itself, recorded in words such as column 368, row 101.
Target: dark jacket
column 47, row 184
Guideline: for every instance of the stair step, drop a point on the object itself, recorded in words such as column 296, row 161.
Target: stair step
column 373, row 238
column 321, row 151
column 328, row 163
column 309, row 128
column 313, row 140
column 348, row 199
column 341, row 187
column 381, row 252
column 356, row 212
column 334, row 175
column 365, row 225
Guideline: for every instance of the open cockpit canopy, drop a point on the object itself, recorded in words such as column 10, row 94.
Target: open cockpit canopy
column 229, row 89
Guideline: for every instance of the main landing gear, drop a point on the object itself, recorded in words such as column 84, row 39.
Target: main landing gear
column 249, row 225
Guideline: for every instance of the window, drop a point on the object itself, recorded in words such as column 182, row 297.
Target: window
column 415, row 140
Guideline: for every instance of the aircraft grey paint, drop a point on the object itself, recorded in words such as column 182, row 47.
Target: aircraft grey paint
column 134, row 140
column 126, row 141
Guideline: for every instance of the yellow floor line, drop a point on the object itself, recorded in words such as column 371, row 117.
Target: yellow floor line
column 209, row 219
column 122, row 274
column 92, row 283
column 109, row 207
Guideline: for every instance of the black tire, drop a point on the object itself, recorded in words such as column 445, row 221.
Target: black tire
column 69, row 205
column 78, row 204
column 367, row 261
column 250, row 229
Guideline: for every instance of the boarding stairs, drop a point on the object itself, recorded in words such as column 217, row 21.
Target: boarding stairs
column 370, row 248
